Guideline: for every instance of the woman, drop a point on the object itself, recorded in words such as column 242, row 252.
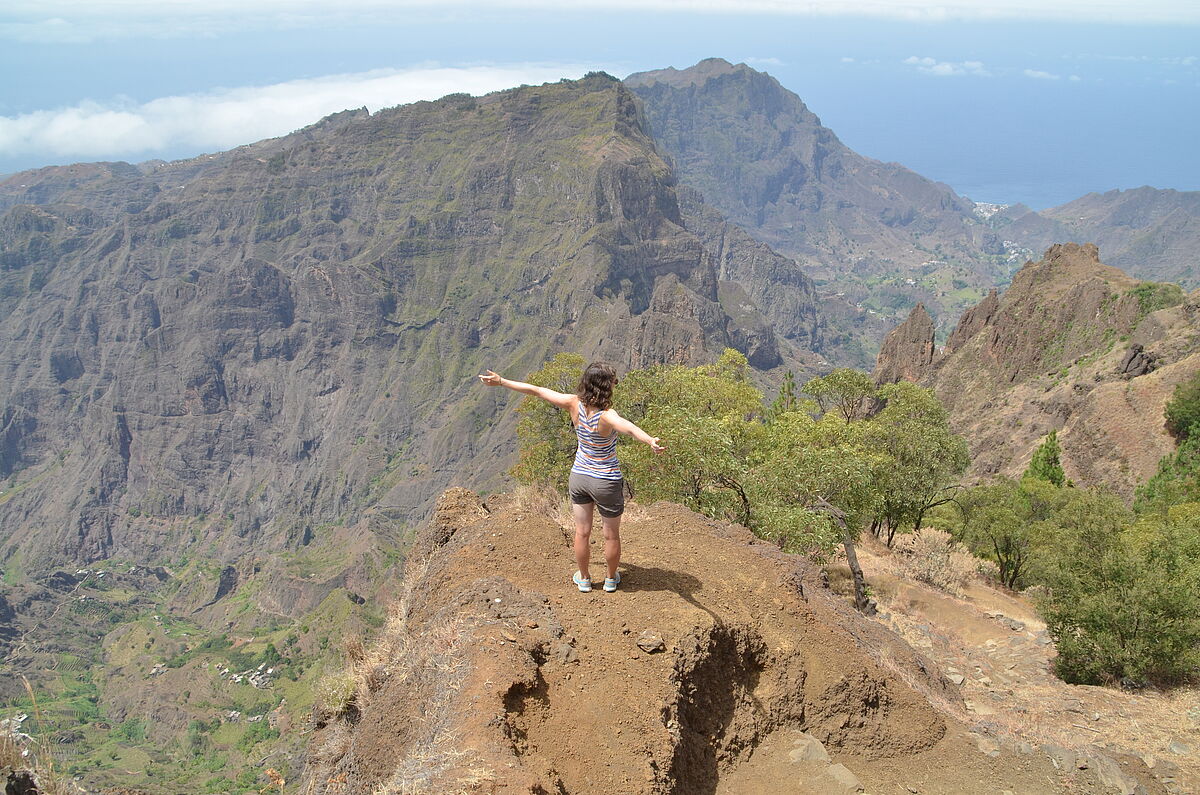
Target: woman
column 596, row 479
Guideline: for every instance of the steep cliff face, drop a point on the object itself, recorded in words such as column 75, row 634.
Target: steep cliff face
column 1073, row 345
column 249, row 348
column 877, row 237
column 776, row 286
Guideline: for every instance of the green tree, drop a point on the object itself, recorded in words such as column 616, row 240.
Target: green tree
column 1182, row 411
column 1124, row 597
column 849, row 392
column 817, row 480
column 545, row 435
column 709, row 416
column 1003, row 521
column 786, row 400
column 1045, row 464
column 1176, row 481
column 803, row 463
column 925, row 457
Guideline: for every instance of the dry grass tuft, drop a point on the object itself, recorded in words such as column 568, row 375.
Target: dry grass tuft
column 14, row 753
column 336, row 693
column 546, row 501
column 542, row 501
column 933, row 557
column 371, row 666
column 434, row 662
column 429, row 659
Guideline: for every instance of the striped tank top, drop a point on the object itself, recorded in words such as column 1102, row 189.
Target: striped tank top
column 597, row 455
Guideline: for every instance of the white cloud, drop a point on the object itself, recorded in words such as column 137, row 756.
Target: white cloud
column 847, row 59
column 1038, row 74
column 1074, row 78
column 932, row 66
column 85, row 20
column 230, row 117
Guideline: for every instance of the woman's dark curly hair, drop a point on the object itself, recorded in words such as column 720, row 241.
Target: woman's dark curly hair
column 596, row 385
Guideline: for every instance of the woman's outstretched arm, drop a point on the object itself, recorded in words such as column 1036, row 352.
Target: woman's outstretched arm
column 559, row 399
column 622, row 425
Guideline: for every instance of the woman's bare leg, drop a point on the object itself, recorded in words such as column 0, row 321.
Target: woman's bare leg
column 583, row 536
column 612, row 543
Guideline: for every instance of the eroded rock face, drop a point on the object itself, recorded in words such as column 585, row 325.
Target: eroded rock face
column 273, row 341
column 776, row 286
column 908, row 351
column 1046, row 355
column 973, row 321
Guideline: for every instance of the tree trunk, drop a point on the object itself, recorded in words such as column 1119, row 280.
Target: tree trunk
column 861, row 602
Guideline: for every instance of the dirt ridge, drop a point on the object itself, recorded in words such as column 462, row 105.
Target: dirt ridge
column 501, row 677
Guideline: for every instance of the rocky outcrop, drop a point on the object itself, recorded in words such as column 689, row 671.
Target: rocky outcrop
column 1074, row 346
column 1136, row 361
column 973, row 321
column 908, row 351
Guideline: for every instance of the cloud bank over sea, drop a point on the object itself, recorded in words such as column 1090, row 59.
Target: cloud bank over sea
column 224, row 118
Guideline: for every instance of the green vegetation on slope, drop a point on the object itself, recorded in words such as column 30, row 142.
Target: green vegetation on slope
column 1120, row 587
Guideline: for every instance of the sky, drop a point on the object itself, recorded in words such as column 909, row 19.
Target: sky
column 1006, row 101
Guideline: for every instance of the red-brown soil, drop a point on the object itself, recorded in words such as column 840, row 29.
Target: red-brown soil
column 497, row 675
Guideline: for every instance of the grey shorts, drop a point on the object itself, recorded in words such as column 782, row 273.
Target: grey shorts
column 609, row 495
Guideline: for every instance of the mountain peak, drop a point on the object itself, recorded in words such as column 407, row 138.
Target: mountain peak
column 698, row 74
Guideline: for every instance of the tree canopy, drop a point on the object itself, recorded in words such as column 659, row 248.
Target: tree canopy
column 1046, row 463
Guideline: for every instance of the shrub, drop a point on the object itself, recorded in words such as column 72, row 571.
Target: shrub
column 259, row 731
column 1046, row 464
column 133, row 730
column 336, row 692
column 1176, row 481
column 1153, row 296
column 932, row 556
column 1127, row 604
column 1182, row 411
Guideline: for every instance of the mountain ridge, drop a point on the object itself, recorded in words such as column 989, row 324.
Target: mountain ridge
column 876, row 236
column 1152, row 233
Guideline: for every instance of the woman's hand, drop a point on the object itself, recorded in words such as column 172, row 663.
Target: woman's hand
column 655, row 446
column 491, row 379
